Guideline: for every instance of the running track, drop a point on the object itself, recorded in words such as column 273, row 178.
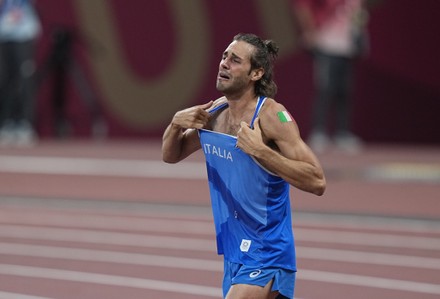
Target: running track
column 108, row 220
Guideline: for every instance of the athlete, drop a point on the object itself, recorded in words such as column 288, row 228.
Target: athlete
column 253, row 152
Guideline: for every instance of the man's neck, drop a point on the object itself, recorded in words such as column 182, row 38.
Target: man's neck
column 240, row 107
column 240, row 100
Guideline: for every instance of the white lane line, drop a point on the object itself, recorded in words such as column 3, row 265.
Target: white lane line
column 211, row 265
column 134, row 239
column 149, row 220
column 112, row 280
column 362, row 257
column 371, row 282
column 102, row 167
column 103, row 237
column 92, row 255
column 9, row 295
column 142, row 224
column 366, row 222
column 108, row 222
column 168, row 286
column 364, row 238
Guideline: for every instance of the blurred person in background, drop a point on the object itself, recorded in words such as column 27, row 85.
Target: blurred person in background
column 19, row 28
column 334, row 32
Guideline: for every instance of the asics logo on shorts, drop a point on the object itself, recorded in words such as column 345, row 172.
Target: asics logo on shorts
column 254, row 273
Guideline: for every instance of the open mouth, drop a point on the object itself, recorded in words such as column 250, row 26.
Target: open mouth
column 224, row 76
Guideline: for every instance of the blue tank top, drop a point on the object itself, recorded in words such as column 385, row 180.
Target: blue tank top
column 251, row 206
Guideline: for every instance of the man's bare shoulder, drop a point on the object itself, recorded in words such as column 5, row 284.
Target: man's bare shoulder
column 214, row 120
column 271, row 109
column 218, row 102
column 275, row 120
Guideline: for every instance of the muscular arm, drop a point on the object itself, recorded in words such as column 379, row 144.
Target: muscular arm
column 294, row 161
column 180, row 138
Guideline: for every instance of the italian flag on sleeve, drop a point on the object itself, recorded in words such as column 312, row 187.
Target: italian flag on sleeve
column 284, row 116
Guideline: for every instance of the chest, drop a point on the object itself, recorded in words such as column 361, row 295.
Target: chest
column 223, row 123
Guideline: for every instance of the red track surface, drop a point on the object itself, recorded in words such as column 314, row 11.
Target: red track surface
column 89, row 220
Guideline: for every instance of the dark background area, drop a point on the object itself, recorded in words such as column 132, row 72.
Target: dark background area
column 397, row 86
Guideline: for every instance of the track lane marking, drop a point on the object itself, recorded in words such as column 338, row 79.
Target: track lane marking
column 369, row 281
column 108, row 222
column 10, row 295
column 92, row 255
column 168, row 286
column 105, row 237
column 364, row 257
column 156, row 213
column 112, row 280
column 102, row 167
column 348, row 256
column 110, row 256
column 366, row 238
column 137, row 239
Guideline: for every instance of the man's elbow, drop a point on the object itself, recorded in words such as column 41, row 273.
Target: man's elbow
column 320, row 186
column 167, row 157
column 169, row 160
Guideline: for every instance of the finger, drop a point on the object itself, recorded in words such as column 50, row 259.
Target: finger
column 206, row 105
column 244, row 124
column 257, row 124
column 203, row 116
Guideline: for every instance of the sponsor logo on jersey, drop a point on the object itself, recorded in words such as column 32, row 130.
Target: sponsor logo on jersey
column 245, row 245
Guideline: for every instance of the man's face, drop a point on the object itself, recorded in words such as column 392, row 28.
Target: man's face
column 234, row 69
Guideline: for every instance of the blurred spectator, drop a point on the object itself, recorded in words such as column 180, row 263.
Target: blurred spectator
column 59, row 65
column 19, row 28
column 334, row 33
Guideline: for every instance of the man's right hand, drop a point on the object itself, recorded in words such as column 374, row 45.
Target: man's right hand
column 195, row 117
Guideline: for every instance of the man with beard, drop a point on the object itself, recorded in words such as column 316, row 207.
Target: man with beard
column 254, row 152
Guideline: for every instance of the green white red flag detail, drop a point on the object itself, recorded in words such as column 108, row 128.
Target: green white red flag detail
column 284, row 116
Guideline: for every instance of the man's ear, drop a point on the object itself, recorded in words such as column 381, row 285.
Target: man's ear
column 257, row 74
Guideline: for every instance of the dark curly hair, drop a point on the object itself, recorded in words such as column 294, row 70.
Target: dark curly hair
column 264, row 56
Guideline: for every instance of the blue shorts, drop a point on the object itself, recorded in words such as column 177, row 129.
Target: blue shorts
column 283, row 279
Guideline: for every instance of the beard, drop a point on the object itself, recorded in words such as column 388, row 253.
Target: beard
column 231, row 86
